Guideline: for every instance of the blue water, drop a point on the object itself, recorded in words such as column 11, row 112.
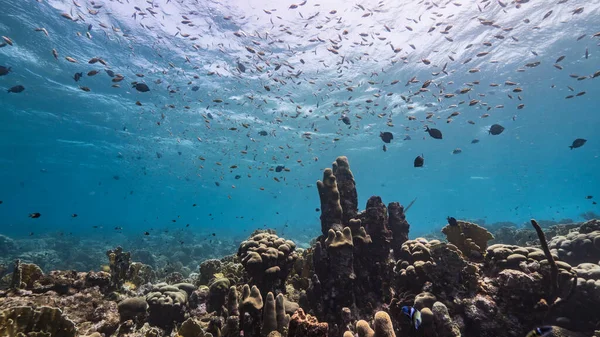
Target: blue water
column 96, row 154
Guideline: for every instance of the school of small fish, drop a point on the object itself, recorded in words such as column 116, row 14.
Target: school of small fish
column 273, row 70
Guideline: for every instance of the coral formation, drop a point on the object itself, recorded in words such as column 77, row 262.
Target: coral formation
column 133, row 308
column 29, row 321
column 208, row 269
column 268, row 259
column 577, row 247
column 470, row 238
column 118, row 262
column 305, row 325
column 167, row 304
column 217, row 295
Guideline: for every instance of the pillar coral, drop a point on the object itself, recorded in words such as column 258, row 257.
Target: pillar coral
column 351, row 257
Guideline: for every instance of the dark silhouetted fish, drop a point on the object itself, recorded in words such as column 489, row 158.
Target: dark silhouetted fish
column 4, row 70
column 279, row 168
column 386, row 136
column 496, row 129
column 141, row 87
column 241, row 67
column 407, row 138
column 16, row 89
column 263, row 133
column 345, row 119
column 110, row 73
column 35, row 215
column 578, row 143
column 419, row 161
column 475, row 141
column 77, row 76
column 434, row 133
column 452, row 221
column 195, row 88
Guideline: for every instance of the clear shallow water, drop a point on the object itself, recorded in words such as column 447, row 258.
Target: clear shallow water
column 63, row 149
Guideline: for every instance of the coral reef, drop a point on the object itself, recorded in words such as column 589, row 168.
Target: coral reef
column 356, row 279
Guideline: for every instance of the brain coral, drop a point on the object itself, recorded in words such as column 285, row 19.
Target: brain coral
column 577, row 247
column 268, row 259
column 167, row 304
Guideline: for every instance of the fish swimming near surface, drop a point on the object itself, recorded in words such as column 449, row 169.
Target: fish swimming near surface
column 542, row 331
column 35, row 215
column 141, row 87
column 241, row 67
column 386, row 136
column 5, row 70
column 16, row 89
column 578, row 143
column 496, row 129
column 475, row 141
column 434, row 133
column 419, row 161
column 345, row 119
column 414, row 315
column 279, row 168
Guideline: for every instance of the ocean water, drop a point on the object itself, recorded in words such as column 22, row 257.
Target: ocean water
column 142, row 168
